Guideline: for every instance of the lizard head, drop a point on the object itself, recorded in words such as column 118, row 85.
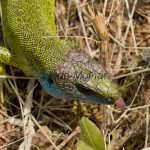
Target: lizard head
column 80, row 77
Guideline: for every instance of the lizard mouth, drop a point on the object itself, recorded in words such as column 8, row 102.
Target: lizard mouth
column 121, row 104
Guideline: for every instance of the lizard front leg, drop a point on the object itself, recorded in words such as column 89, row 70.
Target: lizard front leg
column 5, row 56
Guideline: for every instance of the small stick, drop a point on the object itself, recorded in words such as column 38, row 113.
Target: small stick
column 83, row 26
column 75, row 132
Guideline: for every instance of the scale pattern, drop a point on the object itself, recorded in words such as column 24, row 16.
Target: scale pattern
column 29, row 27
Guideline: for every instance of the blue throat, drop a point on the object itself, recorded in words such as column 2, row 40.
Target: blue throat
column 51, row 89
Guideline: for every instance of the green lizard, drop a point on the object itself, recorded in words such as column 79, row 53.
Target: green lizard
column 64, row 70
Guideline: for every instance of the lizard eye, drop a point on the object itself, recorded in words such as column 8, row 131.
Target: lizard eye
column 84, row 90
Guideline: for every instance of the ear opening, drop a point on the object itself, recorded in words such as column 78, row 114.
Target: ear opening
column 50, row 80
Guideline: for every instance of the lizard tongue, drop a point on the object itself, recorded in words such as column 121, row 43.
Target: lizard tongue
column 121, row 104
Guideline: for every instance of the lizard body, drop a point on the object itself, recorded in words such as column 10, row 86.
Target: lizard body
column 64, row 70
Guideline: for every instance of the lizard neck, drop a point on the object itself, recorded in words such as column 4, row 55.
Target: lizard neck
column 47, row 54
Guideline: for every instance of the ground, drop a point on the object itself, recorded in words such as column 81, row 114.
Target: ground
column 122, row 36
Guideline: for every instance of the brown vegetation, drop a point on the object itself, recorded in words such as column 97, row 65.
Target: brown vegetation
column 117, row 34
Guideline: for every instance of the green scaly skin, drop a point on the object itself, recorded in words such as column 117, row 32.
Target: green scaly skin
column 64, row 70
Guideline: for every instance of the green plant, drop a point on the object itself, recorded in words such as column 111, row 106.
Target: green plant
column 91, row 138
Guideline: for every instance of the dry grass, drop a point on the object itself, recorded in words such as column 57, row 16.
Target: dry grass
column 117, row 38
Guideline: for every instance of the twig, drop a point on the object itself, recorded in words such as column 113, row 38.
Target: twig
column 130, row 21
column 44, row 132
column 132, row 73
column 128, row 135
column 147, row 127
column 53, row 115
column 76, row 131
column 119, row 35
column 83, row 26
column 15, row 77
